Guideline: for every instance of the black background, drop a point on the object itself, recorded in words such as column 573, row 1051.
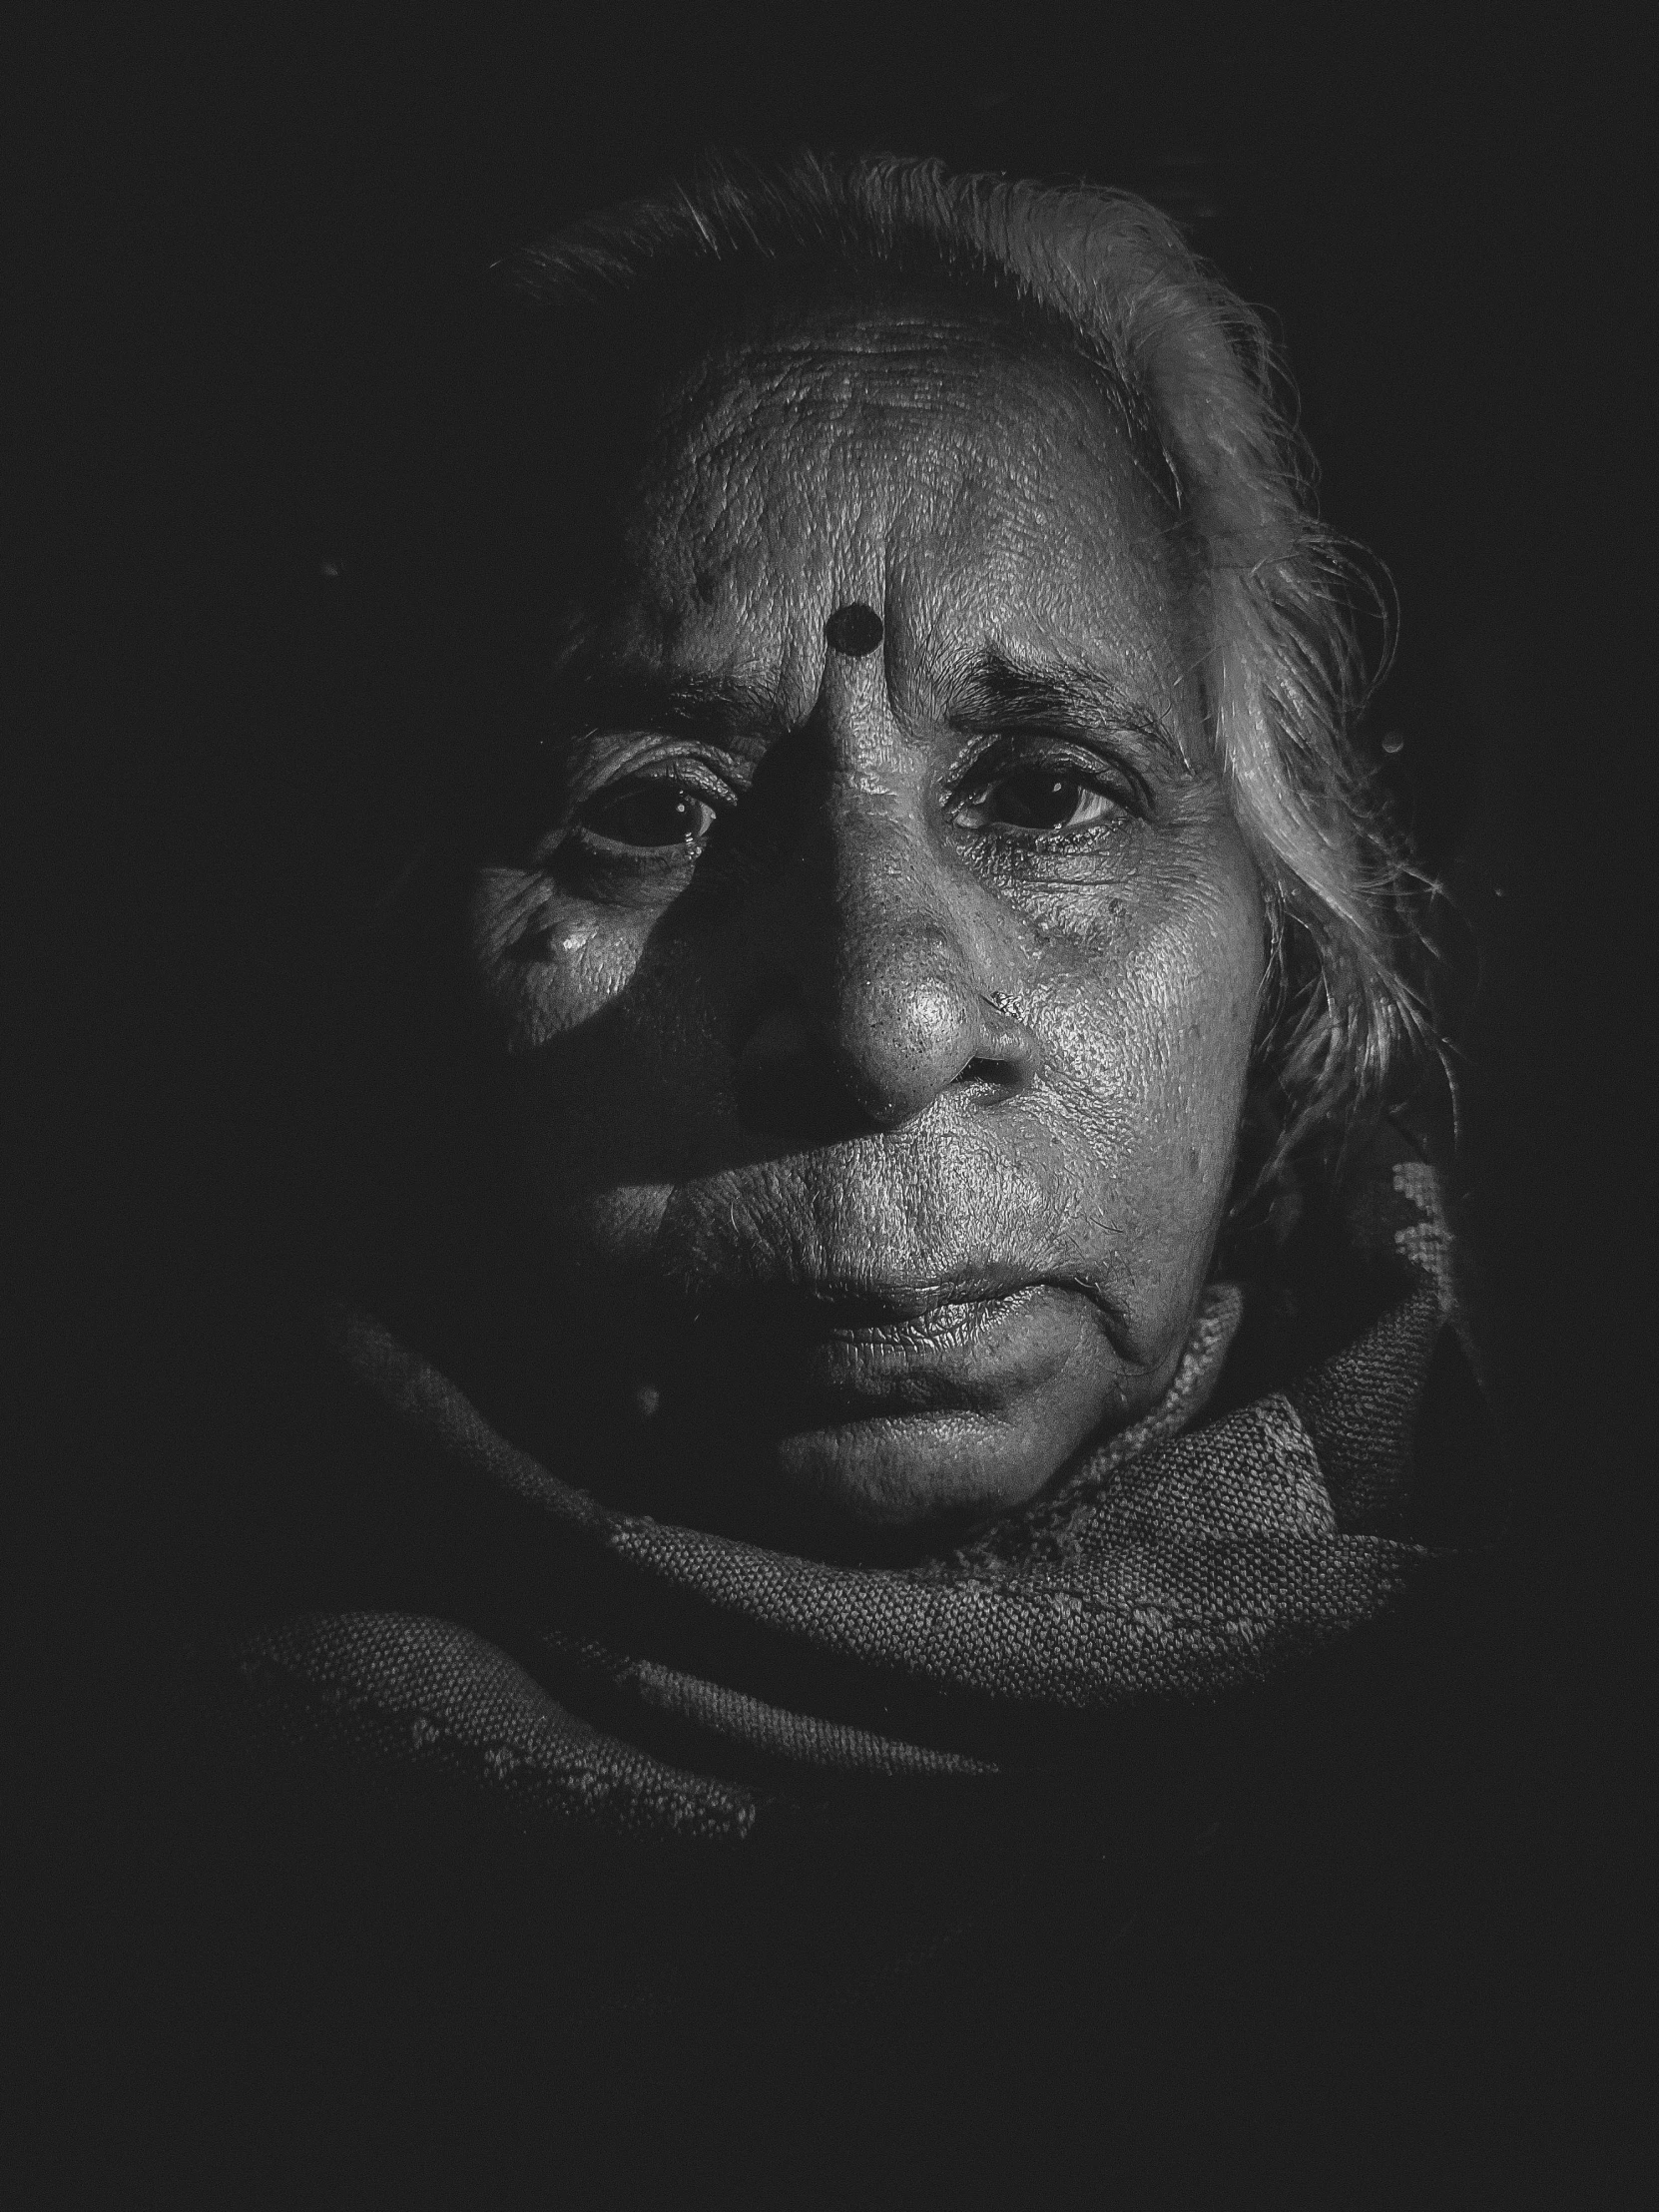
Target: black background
column 237, row 232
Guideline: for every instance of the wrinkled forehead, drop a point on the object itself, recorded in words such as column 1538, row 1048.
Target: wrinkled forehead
column 853, row 379
column 911, row 451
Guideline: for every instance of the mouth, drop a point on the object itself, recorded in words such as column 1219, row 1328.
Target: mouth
column 872, row 1386
column 847, row 1306
column 875, row 1309
column 872, row 1342
column 828, row 1352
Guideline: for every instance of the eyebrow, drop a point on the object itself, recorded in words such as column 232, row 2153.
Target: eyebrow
column 994, row 692
column 714, row 709
column 989, row 693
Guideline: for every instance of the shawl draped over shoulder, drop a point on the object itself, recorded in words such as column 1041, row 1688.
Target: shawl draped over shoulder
column 1319, row 1464
column 548, row 1833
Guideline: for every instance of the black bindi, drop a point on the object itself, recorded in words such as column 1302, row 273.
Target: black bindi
column 854, row 630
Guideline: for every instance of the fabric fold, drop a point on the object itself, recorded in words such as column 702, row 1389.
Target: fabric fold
column 1196, row 1556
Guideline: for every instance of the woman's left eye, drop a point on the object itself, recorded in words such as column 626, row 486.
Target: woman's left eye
column 1037, row 799
column 648, row 815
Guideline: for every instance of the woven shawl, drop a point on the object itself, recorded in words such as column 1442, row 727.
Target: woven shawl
column 623, row 1675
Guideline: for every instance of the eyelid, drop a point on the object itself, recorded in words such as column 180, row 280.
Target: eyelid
column 649, row 756
column 590, row 764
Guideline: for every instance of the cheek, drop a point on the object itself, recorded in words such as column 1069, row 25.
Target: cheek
column 603, row 1075
column 544, row 963
column 1153, row 1028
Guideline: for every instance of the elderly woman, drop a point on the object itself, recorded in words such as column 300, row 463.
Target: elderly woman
column 890, row 1324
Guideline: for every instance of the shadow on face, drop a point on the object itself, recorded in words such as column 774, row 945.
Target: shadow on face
column 873, row 981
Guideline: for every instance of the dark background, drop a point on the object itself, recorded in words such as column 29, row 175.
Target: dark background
column 239, row 234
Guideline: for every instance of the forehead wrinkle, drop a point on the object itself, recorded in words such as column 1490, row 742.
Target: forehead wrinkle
column 823, row 361
column 782, row 478
column 928, row 356
column 857, row 499
column 800, row 343
column 816, row 382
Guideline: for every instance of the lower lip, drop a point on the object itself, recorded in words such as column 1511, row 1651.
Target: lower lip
column 963, row 1352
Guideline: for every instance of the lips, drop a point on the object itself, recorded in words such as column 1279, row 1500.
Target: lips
column 874, row 1304
column 919, row 1348
column 828, row 1349
column 908, row 1325
column 924, row 1338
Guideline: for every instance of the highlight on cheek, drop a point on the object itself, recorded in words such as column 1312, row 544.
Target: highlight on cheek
column 551, row 940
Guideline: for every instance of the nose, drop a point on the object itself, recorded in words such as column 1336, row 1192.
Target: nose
column 879, row 983
column 880, row 1002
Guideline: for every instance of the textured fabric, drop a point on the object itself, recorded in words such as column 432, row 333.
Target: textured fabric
column 627, row 1677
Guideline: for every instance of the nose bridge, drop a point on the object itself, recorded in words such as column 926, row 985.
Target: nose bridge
column 880, row 976
column 886, row 1008
column 881, row 878
column 889, row 911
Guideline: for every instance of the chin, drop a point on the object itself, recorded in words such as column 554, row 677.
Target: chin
column 842, row 1424
column 894, row 1487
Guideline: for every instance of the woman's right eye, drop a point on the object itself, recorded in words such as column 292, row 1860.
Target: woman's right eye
column 649, row 815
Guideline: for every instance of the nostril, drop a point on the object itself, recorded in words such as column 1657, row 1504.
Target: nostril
column 1004, row 1074
column 872, row 1048
column 1007, row 1049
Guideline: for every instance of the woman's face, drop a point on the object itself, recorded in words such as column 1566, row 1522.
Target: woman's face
column 873, row 1023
